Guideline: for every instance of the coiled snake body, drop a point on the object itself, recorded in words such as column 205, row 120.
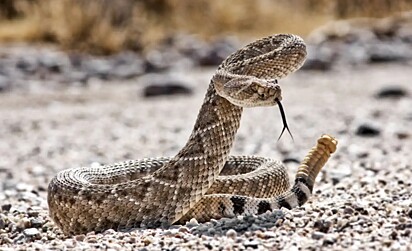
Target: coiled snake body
column 202, row 181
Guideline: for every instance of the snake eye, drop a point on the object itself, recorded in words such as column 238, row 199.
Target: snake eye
column 261, row 95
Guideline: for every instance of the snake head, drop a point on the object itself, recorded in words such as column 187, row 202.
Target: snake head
column 248, row 91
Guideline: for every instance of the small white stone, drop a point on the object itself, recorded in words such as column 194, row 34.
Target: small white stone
column 31, row 232
column 231, row 234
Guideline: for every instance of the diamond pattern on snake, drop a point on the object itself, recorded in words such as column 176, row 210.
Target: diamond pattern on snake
column 202, row 181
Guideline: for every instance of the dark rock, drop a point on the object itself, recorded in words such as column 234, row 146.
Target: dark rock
column 391, row 92
column 367, row 130
column 36, row 222
column 402, row 135
column 316, row 64
column 6, row 207
column 348, row 210
column 208, row 246
column 322, row 225
column 166, row 89
column 161, row 85
column 394, row 235
column 401, row 226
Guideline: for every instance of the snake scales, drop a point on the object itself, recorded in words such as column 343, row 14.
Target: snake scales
column 202, row 181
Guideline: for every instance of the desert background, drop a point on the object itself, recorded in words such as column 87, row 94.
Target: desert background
column 96, row 82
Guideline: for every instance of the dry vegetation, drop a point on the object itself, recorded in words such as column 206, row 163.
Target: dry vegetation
column 106, row 26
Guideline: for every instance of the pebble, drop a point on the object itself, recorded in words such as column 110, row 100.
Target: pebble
column 192, row 223
column 393, row 92
column 231, row 234
column 148, row 240
column 367, row 130
column 251, row 244
column 80, row 237
column 5, row 207
column 31, row 232
column 323, row 225
column 164, row 85
column 348, row 210
column 166, row 89
column 184, row 229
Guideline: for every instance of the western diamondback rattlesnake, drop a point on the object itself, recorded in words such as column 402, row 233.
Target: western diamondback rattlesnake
column 202, row 180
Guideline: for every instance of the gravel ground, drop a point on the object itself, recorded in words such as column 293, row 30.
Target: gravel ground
column 362, row 198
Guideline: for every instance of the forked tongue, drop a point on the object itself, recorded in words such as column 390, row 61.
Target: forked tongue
column 285, row 123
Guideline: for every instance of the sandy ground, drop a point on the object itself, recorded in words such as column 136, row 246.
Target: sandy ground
column 45, row 130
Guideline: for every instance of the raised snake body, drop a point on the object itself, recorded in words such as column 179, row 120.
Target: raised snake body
column 202, row 181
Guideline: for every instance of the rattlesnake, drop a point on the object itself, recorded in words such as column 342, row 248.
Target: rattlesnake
column 202, row 181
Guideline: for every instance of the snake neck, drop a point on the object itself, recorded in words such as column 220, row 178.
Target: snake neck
column 209, row 144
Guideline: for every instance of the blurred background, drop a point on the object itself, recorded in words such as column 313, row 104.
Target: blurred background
column 104, row 26
column 73, row 41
